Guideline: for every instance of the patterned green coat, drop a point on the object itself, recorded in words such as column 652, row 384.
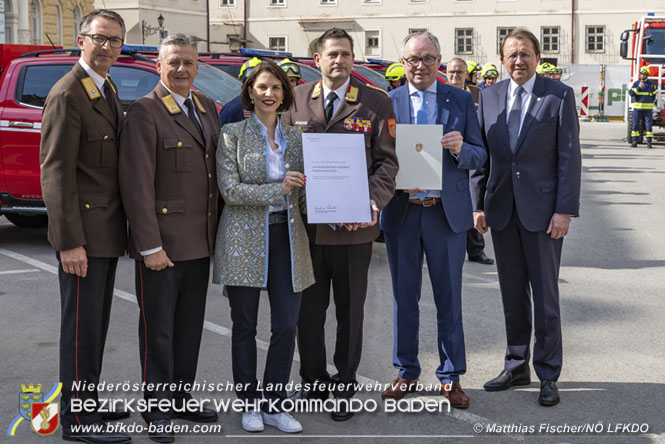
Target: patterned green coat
column 241, row 249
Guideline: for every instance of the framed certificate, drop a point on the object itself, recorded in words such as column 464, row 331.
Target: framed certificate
column 420, row 156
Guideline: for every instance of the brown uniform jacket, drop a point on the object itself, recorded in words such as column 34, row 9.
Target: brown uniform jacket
column 79, row 168
column 361, row 102
column 167, row 176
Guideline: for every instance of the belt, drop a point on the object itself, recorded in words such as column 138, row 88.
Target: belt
column 278, row 217
column 427, row 202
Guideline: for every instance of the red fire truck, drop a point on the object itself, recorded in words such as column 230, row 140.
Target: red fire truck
column 644, row 45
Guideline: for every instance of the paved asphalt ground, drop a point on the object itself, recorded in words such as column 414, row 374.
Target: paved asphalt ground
column 612, row 281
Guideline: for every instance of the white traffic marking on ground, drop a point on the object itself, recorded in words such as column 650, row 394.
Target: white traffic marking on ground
column 223, row 331
column 32, row 270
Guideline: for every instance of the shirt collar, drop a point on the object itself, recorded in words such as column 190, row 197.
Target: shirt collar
column 99, row 80
column 180, row 100
column 264, row 130
column 431, row 89
column 341, row 91
column 528, row 86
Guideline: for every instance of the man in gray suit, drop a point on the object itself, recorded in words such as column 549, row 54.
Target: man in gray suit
column 527, row 194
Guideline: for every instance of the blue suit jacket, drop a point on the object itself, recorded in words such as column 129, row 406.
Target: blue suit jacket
column 231, row 112
column 456, row 112
column 543, row 176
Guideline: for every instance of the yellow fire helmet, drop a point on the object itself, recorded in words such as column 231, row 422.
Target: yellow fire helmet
column 472, row 67
column 395, row 72
column 291, row 68
column 489, row 70
column 247, row 67
column 644, row 70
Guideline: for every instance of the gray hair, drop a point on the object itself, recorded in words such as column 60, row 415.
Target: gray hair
column 457, row 59
column 424, row 34
column 177, row 40
column 107, row 14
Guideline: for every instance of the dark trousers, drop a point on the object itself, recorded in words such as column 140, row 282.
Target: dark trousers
column 85, row 305
column 345, row 267
column 172, row 303
column 475, row 242
column 284, row 309
column 425, row 232
column 647, row 115
column 529, row 262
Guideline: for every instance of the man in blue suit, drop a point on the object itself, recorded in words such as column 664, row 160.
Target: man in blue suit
column 432, row 223
column 527, row 195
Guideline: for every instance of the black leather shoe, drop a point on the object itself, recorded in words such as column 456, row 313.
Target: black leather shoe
column 160, row 430
column 309, row 394
column 203, row 415
column 100, row 437
column 549, row 394
column 506, row 380
column 634, row 144
column 342, row 413
column 649, row 144
column 115, row 416
column 481, row 258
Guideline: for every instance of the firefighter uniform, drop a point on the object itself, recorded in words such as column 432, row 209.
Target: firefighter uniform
column 643, row 99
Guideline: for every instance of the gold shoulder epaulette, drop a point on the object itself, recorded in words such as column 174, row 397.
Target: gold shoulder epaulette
column 351, row 94
column 111, row 84
column 377, row 89
column 170, row 104
column 198, row 104
column 90, row 88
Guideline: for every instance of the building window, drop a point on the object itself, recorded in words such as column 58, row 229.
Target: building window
column 501, row 34
column 327, row 2
column 372, row 2
column 277, row 43
column 549, row 38
column 227, row 2
column 418, row 1
column 595, row 39
column 463, row 40
column 58, row 13
column 277, row 3
column 77, row 23
column 36, row 22
column 372, row 43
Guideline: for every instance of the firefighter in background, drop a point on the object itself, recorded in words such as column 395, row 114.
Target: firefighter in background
column 556, row 73
column 544, row 70
column 489, row 74
column 474, row 69
column 292, row 71
column 643, row 93
column 395, row 76
column 232, row 111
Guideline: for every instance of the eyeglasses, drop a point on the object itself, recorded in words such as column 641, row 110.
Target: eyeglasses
column 459, row 73
column 522, row 55
column 415, row 61
column 100, row 40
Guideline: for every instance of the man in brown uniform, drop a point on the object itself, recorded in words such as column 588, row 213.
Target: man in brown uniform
column 169, row 189
column 341, row 254
column 87, row 227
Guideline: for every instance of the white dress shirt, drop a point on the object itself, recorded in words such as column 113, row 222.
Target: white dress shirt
column 276, row 167
column 526, row 98
column 341, row 93
column 99, row 80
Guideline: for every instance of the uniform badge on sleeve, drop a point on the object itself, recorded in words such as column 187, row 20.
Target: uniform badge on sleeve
column 392, row 125
column 357, row 124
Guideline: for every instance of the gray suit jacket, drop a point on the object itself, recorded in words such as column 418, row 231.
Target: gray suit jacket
column 543, row 176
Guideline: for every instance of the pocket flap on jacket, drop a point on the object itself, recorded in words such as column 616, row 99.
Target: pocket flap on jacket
column 176, row 142
column 95, row 201
column 170, row 206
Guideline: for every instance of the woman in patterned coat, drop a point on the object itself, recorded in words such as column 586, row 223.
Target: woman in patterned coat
column 262, row 242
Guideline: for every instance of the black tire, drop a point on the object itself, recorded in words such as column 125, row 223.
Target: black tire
column 27, row 221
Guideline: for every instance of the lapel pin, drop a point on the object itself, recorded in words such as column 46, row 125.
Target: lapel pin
column 538, row 99
column 447, row 100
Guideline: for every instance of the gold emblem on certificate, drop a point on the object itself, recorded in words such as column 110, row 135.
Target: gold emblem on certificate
column 419, row 147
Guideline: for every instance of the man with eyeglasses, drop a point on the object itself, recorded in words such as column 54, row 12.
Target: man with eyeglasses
column 79, row 176
column 432, row 223
column 527, row 194
column 341, row 254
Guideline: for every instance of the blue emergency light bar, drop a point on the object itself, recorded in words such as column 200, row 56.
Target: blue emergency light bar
column 264, row 53
column 139, row 48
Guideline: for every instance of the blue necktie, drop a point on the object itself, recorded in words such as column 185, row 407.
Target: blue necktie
column 514, row 119
column 421, row 119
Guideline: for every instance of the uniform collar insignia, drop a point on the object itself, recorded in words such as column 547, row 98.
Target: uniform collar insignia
column 351, row 94
column 317, row 91
column 198, row 104
column 90, row 88
column 108, row 76
column 170, row 104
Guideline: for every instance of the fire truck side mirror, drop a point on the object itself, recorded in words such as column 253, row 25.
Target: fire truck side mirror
column 625, row 35
column 623, row 49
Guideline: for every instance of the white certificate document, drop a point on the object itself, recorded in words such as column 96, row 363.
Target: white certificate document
column 420, row 156
column 336, row 168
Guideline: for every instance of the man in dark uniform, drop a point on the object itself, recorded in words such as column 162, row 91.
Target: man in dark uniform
column 79, row 177
column 169, row 189
column 341, row 254
column 233, row 110
column 643, row 93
